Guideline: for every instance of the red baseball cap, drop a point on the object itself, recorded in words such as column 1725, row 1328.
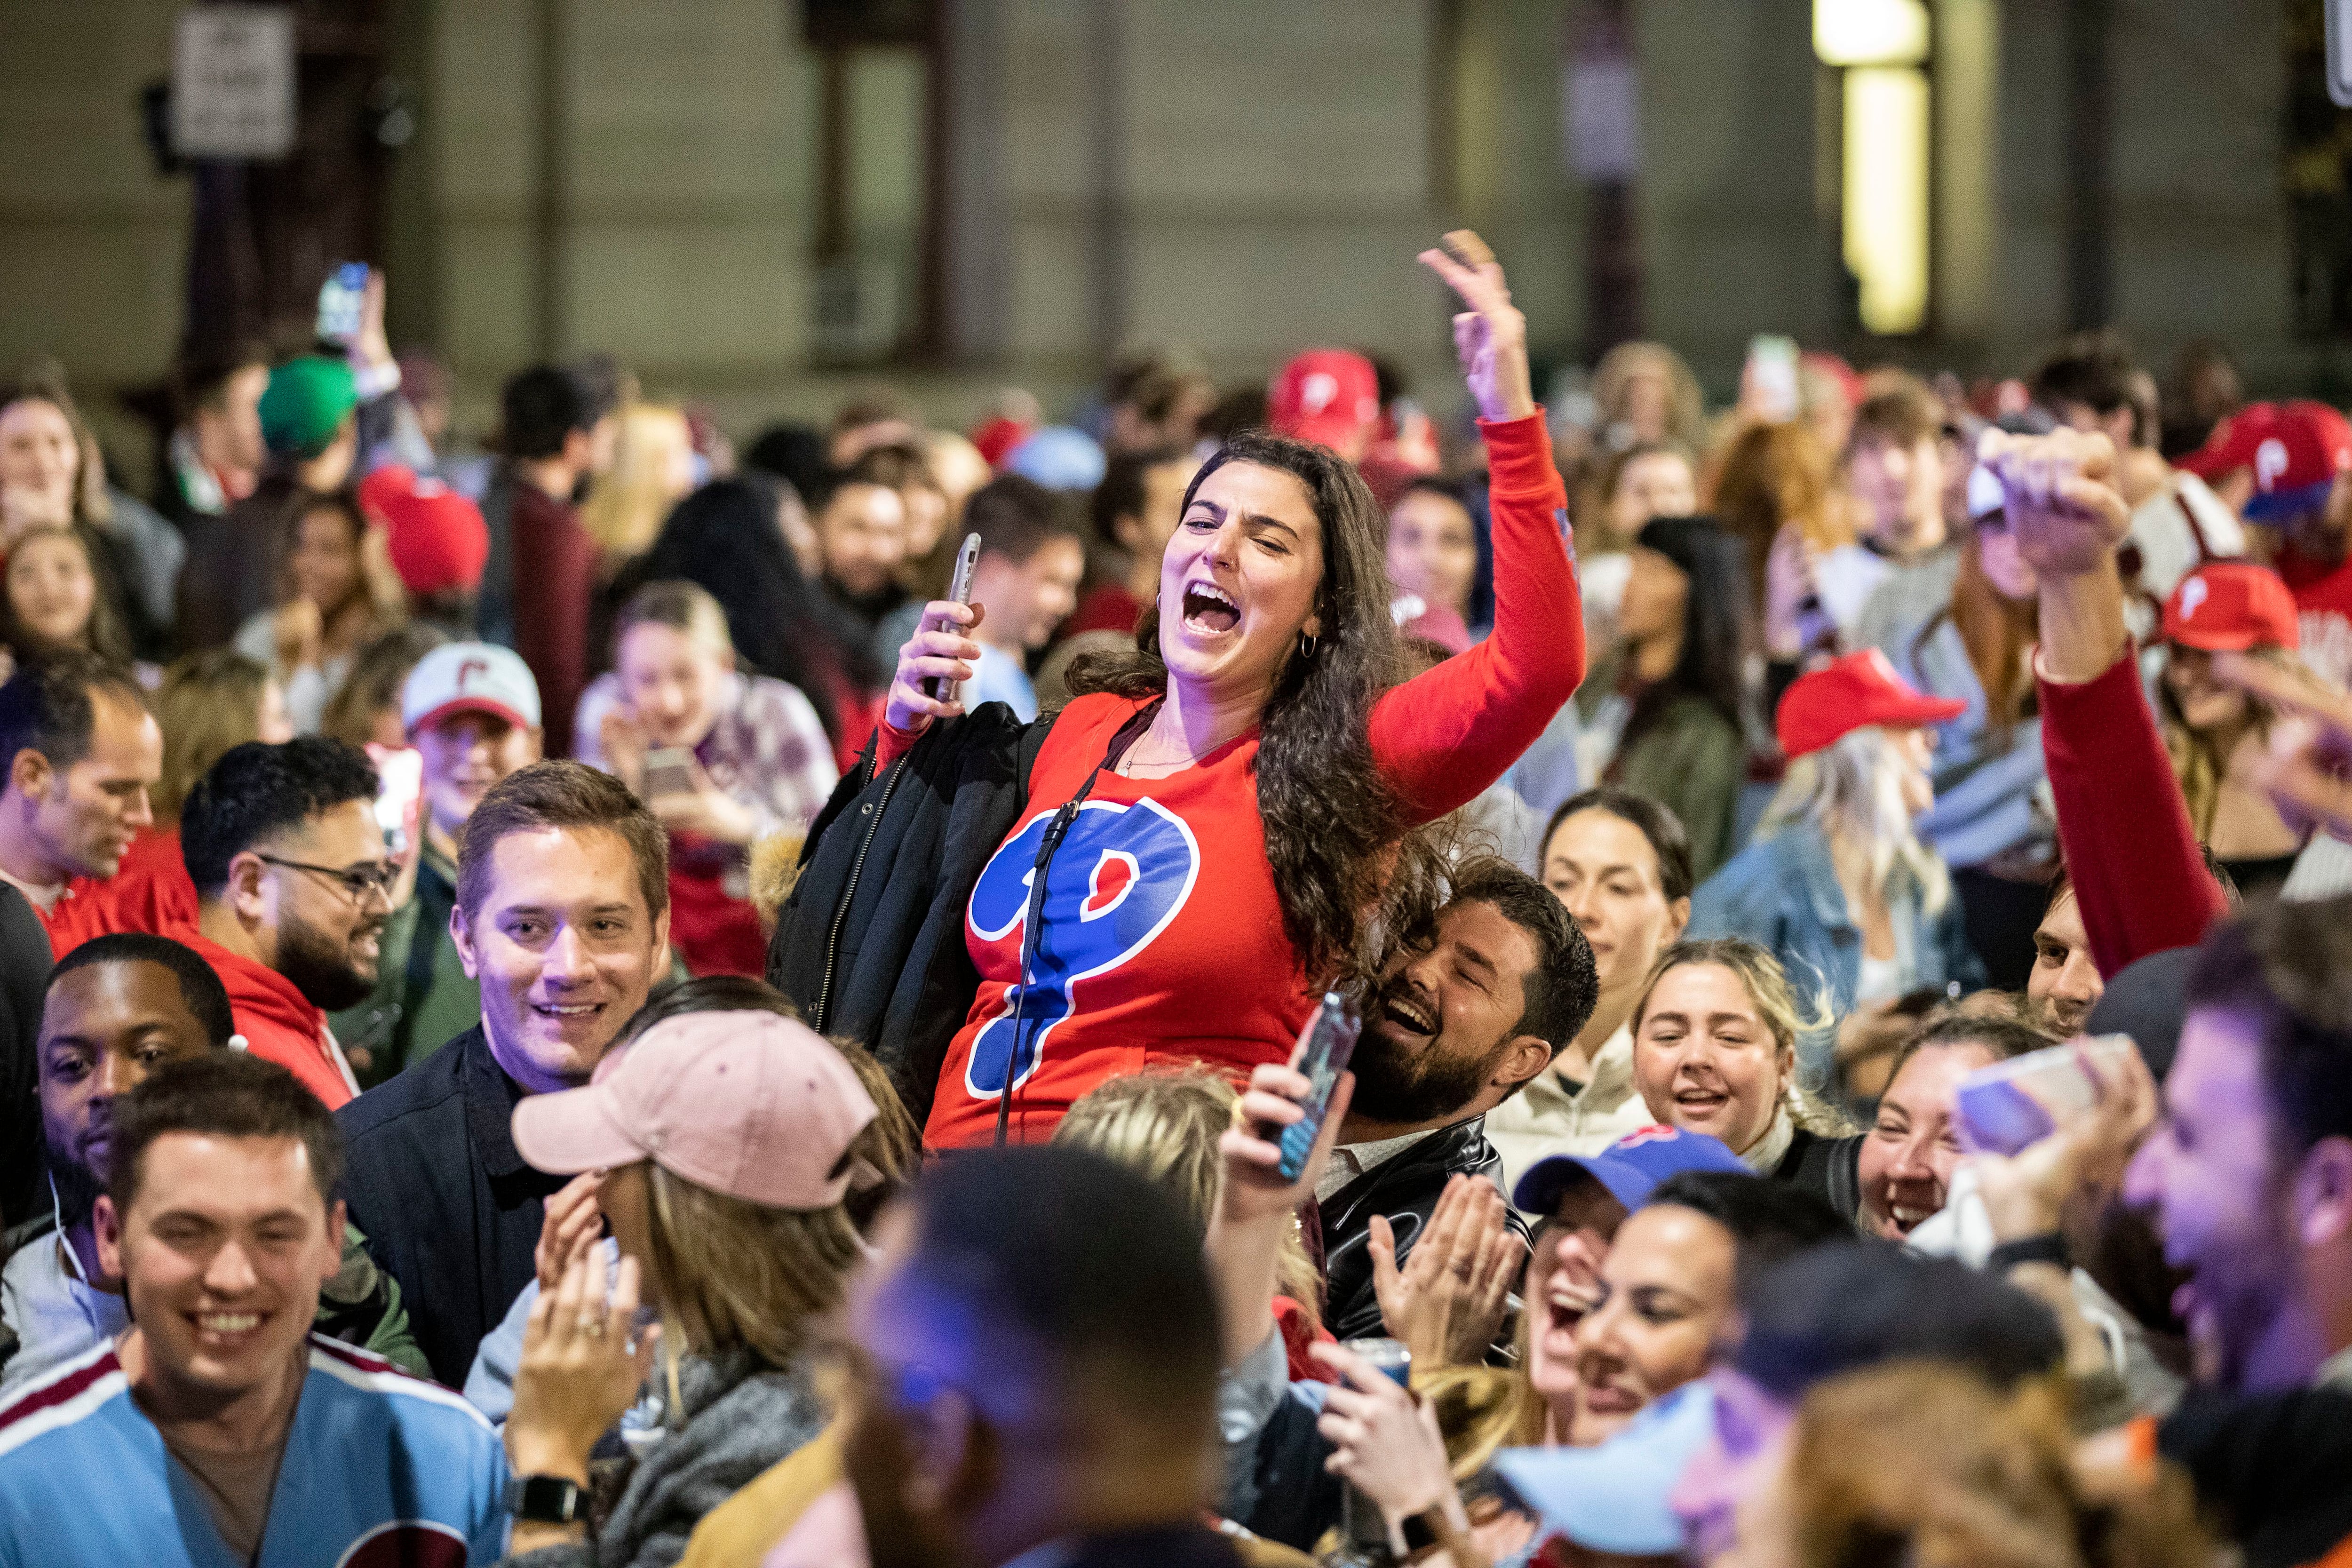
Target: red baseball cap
column 1329, row 397
column 2230, row 606
column 436, row 538
column 1845, row 694
column 2295, row 449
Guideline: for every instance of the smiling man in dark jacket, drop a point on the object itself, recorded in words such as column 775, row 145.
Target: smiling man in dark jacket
column 1465, row 1014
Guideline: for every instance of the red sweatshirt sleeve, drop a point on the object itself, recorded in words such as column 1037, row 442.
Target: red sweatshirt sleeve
column 2130, row 848
column 554, row 581
column 1448, row 734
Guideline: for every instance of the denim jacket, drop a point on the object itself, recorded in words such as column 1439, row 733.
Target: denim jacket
column 1782, row 893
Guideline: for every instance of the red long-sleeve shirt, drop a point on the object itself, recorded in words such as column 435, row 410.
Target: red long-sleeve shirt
column 1163, row 935
column 2130, row 849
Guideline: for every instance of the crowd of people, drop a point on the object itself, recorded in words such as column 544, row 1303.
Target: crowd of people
column 1247, row 978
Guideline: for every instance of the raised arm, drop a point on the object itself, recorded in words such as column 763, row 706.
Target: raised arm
column 2130, row 849
column 1447, row 734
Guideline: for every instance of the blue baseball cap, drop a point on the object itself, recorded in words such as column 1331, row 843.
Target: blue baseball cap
column 1630, row 1168
column 1615, row 1496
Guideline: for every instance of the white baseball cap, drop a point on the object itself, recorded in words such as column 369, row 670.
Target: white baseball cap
column 469, row 677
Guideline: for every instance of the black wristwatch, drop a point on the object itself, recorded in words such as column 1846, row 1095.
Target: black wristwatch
column 1419, row 1535
column 548, row 1500
column 2048, row 1248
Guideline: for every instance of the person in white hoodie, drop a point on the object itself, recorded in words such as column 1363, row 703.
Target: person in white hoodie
column 1620, row 864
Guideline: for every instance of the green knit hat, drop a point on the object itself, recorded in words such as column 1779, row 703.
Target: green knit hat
column 305, row 403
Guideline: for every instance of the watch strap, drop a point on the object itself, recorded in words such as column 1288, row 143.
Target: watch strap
column 548, row 1500
column 2048, row 1248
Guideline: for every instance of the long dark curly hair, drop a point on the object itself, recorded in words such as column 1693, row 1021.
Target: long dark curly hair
column 1334, row 830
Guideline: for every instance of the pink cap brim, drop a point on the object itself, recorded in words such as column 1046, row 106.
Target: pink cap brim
column 571, row 1131
column 433, row 716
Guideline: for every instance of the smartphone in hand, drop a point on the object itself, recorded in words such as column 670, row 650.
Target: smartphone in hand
column 342, row 300
column 2002, row 1107
column 935, row 687
column 1324, row 1050
column 670, row 770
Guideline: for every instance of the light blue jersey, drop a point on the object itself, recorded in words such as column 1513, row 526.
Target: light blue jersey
column 380, row 1468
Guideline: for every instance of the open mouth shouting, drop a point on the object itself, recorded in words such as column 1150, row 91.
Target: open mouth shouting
column 1209, row 610
column 1404, row 1014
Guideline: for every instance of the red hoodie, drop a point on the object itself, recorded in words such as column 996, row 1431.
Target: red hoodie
column 277, row 1022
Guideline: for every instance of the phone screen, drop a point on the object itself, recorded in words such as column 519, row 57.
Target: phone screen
column 959, row 590
column 1772, row 375
column 1323, row 1054
column 669, row 771
column 400, row 776
column 341, row 299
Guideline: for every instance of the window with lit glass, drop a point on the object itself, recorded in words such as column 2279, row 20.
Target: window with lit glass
column 1879, row 50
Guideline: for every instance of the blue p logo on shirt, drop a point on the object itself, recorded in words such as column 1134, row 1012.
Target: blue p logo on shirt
column 1120, row 875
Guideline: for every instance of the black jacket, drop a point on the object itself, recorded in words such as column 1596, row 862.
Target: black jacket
column 870, row 944
column 25, row 960
column 2272, row 1467
column 448, row 1207
column 1828, row 1168
column 1406, row 1189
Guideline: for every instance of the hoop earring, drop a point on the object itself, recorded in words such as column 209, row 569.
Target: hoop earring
column 1305, row 645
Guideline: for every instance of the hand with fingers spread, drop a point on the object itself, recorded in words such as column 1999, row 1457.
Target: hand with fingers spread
column 572, row 1221
column 579, row 1368
column 1448, row 1300
column 1490, row 336
column 2306, row 764
column 1386, row 1442
column 941, row 648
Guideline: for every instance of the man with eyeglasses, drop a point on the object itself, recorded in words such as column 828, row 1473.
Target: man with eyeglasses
column 294, row 885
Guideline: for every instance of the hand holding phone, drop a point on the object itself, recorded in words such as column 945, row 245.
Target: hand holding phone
column 342, row 302
column 1322, row 1054
column 669, row 771
column 2002, row 1107
column 959, row 590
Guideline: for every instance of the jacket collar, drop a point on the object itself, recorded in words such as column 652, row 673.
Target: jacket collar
column 490, row 1098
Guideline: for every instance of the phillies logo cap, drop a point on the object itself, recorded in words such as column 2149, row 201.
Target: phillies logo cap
column 469, row 677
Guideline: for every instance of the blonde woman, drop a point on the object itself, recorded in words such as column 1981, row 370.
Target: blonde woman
column 724, row 759
column 653, row 468
column 1166, row 1124
column 1715, row 1039
column 1838, row 885
column 727, row 1142
column 336, row 594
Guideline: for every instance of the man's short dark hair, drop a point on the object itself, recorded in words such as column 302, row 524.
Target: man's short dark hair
column 1015, row 517
column 1121, row 492
column 561, row 795
column 541, row 407
column 1837, row 1308
column 200, row 988
column 891, row 468
column 2286, row 970
column 49, row 706
column 257, row 791
column 2094, row 369
column 1769, row 1220
column 1902, row 415
column 1095, row 1263
column 223, row 1094
column 1562, row 989
column 1658, row 823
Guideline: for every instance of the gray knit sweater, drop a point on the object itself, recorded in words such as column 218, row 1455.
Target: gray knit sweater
column 740, row 1416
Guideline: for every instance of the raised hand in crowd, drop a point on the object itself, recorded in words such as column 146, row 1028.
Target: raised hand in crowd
column 941, row 648
column 581, row 1368
column 1384, row 1438
column 573, row 1214
column 2307, row 764
column 1254, row 1204
column 1448, row 1302
column 2060, row 501
column 2078, row 1166
column 1490, row 338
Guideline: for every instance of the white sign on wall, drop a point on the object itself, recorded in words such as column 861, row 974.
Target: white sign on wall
column 2339, row 52
column 232, row 82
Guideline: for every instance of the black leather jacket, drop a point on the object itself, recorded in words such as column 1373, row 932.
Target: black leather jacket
column 1405, row 1188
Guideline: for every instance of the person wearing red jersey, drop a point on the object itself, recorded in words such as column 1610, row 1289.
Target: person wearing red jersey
column 2285, row 466
column 295, row 887
column 82, row 753
column 1228, row 799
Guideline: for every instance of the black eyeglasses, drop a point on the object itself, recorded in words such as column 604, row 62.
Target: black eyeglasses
column 360, row 883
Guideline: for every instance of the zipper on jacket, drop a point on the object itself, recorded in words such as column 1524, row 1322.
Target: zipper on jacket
column 841, row 910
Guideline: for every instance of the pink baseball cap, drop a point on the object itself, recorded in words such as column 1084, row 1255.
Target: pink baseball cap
column 749, row 1103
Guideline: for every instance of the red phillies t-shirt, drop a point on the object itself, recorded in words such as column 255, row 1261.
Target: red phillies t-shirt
column 2323, row 602
column 1163, row 936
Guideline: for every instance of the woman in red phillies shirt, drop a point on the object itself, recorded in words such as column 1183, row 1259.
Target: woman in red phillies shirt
column 1253, row 764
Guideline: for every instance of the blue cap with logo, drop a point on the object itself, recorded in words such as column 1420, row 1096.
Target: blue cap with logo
column 1615, row 1496
column 1630, row 1169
